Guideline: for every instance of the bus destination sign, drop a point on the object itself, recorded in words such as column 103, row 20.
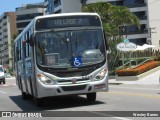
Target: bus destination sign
column 61, row 22
column 71, row 21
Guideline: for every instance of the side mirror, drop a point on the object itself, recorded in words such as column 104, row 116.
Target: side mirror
column 31, row 41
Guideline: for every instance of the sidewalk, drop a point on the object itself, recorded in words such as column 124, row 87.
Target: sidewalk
column 152, row 79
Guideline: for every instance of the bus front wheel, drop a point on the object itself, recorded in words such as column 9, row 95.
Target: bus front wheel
column 91, row 97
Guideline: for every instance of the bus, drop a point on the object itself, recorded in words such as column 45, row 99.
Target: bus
column 61, row 54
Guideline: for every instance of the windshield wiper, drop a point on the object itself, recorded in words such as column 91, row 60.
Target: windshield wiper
column 60, row 36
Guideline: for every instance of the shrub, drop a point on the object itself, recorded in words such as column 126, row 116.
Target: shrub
column 139, row 69
column 157, row 58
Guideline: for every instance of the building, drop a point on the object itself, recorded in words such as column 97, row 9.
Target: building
column 26, row 13
column 7, row 30
column 62, row 6
column 140, row 9
column 154, row 22
column 49, row 5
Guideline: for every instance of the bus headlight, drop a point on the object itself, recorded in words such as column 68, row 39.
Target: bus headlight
column 101, row 74
column 45, row 80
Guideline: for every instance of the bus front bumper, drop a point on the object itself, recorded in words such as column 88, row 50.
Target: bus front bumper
column 70, row 89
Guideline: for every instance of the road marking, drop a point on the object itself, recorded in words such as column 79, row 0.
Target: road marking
column 133, row 88
column 107, row 115
column 134, row 94
column 121, row 118
column 7, row 85
column 3, row 92
column 4, row 85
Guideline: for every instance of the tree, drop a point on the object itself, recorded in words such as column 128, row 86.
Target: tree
column 122, row 17
column 12, row 50
column 12, row 42
column 114, row 20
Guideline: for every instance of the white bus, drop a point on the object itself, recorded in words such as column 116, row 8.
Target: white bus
column 61, row 54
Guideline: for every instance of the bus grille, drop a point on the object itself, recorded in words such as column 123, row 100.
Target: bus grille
column 74, row 88
column 77, row 80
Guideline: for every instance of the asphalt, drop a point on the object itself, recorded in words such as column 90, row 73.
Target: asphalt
column 152, row 79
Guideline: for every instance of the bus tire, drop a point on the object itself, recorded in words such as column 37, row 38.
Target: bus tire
column 38, row 102
column 91, row 97
column 24, row 96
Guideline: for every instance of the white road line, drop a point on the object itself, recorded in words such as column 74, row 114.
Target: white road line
column 3, row 92
column 5, row 85
column 133, row 88
column 8, row 85
column 121, row 118
column 107, row 115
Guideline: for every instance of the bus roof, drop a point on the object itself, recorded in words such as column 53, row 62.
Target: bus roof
column 67, row 14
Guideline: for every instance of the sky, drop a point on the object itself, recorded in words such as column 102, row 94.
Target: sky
column 10, row 5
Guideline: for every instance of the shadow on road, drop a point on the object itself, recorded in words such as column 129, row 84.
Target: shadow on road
column 54, row 103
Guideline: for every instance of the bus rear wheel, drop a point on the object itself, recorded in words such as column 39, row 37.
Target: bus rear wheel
column 38, row 102
column 24, row 96
column 91, row 97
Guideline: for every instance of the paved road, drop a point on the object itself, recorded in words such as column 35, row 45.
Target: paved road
column 119, row 98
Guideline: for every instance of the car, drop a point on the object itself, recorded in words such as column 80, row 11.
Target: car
column 2, row 75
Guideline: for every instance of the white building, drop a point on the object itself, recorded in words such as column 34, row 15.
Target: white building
column 26, row 13
column 62, row 6
column 7, row 30
column 145, row 10
column 140, row 9
column 154, row 22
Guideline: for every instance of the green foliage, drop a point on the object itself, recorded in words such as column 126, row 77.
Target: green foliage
column 10, row 70
column 12, row 42
column 114, row 19
column 102, row 8
column 156, row 58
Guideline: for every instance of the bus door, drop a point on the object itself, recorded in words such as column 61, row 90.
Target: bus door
column 17, row 69
column 24, row 69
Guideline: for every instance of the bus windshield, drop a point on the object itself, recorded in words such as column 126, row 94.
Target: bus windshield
column 61, row 49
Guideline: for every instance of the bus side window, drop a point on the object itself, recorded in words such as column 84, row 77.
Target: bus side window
column 16, row 54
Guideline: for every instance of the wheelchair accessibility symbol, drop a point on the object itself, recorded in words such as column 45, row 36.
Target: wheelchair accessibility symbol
column 77, row 61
